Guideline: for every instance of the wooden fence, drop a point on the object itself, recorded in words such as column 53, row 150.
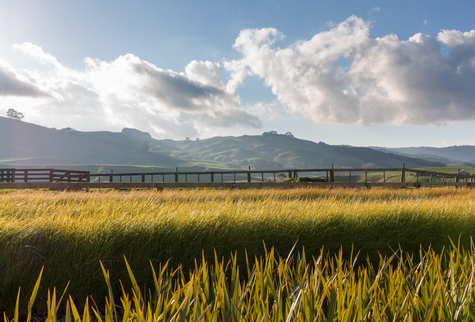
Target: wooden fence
column 329, row 177
column 43, row 175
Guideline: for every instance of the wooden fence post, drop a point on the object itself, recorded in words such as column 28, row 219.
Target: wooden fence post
column 143, row 177
column 403, row 173
column 176, row 175
column 249, row 175
column 212, row 177
column 111, row 178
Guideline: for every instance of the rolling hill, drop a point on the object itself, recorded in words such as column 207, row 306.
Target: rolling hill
column 26, row 144
column 273, row 151
column 131, row 150
column 451, row 154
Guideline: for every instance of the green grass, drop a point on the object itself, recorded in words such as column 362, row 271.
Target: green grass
column 436, row 287
column 69, row 233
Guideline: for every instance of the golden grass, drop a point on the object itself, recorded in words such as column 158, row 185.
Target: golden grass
column 70, row 232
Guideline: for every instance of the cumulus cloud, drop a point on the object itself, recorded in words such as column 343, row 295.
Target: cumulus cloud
column 130, row 92
column 344, row 76
column 13, row 83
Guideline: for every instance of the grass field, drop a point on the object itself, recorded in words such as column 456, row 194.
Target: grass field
column 69, row 233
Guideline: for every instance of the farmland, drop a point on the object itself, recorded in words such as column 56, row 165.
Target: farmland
column 70, row 233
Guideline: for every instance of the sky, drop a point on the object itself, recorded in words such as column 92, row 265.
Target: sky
column 391, row 73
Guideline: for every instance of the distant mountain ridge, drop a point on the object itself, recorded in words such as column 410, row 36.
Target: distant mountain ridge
column 451, row 154
column 25, row 144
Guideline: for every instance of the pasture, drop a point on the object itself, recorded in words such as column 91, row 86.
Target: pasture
column 71, row 233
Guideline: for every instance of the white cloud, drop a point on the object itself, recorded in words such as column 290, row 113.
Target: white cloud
column 375, row 9
column 387, row 80
column 13, row 83
column 130, row 92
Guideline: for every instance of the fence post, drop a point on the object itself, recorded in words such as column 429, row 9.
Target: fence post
column 111, row 178
column 366, row 176
column 13, row 175
column 290, row 174
column 212, row 176
column 403, row 173
column 176, row 175
column 143, row 177
column 51, row 175
column 1, row 175
column 249, row 175
column 332, row 174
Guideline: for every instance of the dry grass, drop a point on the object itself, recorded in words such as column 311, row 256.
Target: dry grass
column 69, row 233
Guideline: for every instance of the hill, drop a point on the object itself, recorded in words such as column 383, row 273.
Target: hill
column 456, row 153
column 275, row 151
column 25, row 144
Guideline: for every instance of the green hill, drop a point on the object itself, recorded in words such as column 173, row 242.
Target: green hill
column 23, row 144
column 273, row 151
column 464, row 153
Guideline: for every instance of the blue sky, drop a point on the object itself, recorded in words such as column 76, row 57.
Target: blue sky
column 365, row 73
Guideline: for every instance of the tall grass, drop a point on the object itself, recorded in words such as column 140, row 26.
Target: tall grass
column 70, row 233
column 438, row 287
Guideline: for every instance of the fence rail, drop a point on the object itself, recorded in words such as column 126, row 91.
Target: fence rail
column 327, row 175
column 28, row 178
column 43, row 175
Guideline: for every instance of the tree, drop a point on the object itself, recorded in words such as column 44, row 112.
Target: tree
column 281, row 176
column 14, row 115
column 289, row 134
